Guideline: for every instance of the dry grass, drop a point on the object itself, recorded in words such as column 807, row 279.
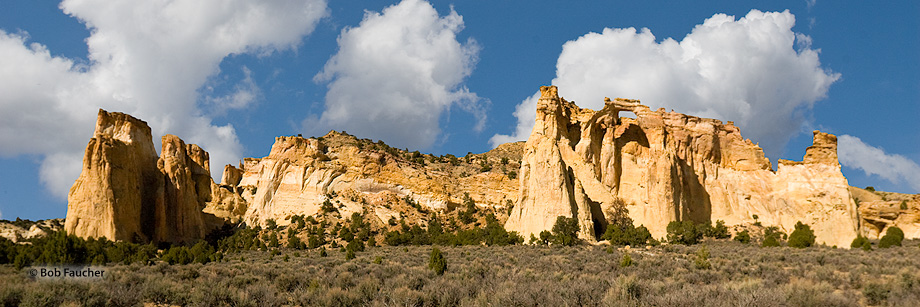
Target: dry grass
column 503, row 276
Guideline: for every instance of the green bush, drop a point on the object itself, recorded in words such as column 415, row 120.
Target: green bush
column 295, row 243
column 772, row 237
column 436, row 262
column 802, row 236
column 546, row 237
column 565, row 231
column 628, row 235
column 743, row 236
column 861, row 242
column 626, row 260
column 720, row 231
column 893, row 237
column 683, row 233
column 702, row 259
column 349, row 254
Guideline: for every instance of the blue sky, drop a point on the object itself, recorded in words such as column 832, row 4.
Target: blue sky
column 447, row 77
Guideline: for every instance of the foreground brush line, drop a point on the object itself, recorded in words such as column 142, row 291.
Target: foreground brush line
column 715, row 273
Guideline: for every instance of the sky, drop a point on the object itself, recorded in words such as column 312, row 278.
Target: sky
column 447, row 77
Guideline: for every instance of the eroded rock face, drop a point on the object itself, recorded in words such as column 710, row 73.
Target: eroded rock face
column 879, row 211
column 113, row 190
column 127, row 193
column 299, row 174
column 669, row 166
column 187, row 188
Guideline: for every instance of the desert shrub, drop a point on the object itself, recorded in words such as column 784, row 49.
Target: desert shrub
column 512, row 175
column 702, row 259
column 484, row 166
column 876, row 293
column 870, row 189
column 346, row 234
column 273, row 239
column 802, row 236
column 349, row 254
column 469, row 209
column 893, row 237
column 546, row 237
column 628, row 235
column 328, row 207
column 295, row 243
column 355, row 245
column 371, row 242
column 861, row 242
column 565, row 231
column 683, row 233
column 720, row 231
column 626, row 260
column 743, row 236
column 772, row 237
column 270, row 224
column 903, row 205
column 436, row 261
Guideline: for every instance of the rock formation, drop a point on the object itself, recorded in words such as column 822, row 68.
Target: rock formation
column 579, row 163
column 879, row 211
column 125, row 192
column 119, row 183
column 669, row 167
column 300, row 174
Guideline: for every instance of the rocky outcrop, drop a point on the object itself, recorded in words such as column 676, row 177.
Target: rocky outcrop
column 119, row 185
column 300, row 174
column 668, row 167
column 187, row 188
column 879, row 211
column 126, row 193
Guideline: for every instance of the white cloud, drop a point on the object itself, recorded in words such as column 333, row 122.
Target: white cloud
column 396, row 74
column 245, row 93
column 745, row 70
column 856, row 154
column 148, row 59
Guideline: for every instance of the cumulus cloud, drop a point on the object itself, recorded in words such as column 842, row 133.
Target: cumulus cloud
column 396, row 73
column 856, row 154
column 244, row 94
column 146, row 58
column 747, row 70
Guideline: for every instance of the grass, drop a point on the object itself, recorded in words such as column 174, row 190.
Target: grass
column 740, row 274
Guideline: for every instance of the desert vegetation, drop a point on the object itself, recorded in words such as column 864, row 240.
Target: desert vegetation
column 713, row 273
column 323, row 261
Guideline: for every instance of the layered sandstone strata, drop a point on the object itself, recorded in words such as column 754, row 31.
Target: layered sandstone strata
column 669, row 167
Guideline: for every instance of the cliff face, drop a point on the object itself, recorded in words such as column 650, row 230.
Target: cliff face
column 300, row 174
column 118, row 183
column 577, row 163
column 125, row 192
column 879, row 211
column 669, row 166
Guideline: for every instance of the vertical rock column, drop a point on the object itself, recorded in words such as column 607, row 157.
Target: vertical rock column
column 109, row 197
column 546, row 182
column 187, row 188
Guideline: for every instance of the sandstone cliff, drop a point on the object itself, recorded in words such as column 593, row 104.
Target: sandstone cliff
column 880, row 210
column 669, row 166
column 300, row 174
column 125, row 192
